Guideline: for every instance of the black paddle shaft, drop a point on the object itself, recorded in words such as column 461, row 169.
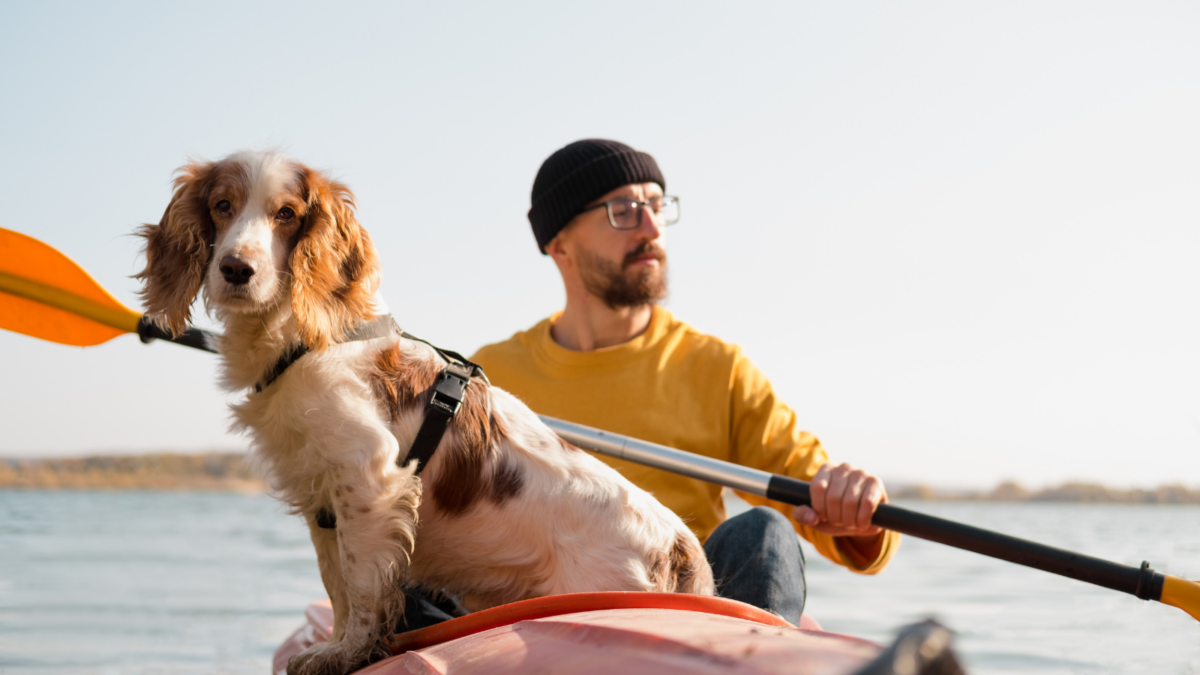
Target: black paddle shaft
column 1142, row 582
column 196, row 338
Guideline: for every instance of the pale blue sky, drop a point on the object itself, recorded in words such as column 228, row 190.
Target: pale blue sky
column 961, row 238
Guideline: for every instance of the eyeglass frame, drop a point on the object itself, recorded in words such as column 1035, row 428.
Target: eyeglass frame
column 641, row 207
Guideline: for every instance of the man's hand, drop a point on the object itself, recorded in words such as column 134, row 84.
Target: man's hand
column 843, row 500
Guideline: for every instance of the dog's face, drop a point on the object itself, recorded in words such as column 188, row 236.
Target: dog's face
column 257, row 231
column 257, row 205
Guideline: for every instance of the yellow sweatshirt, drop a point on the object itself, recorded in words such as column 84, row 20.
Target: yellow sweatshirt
column 674, row 386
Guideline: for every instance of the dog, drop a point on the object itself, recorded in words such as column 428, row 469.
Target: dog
column 503, row 511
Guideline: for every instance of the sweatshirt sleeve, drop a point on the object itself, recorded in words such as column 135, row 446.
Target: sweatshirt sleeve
column 765, row 436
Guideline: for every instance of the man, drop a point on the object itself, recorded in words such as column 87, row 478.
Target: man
column 615, row 360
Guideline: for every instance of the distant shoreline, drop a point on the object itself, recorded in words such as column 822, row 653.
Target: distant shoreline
column 222, row 471
column 229, row 471
column 1010, row 491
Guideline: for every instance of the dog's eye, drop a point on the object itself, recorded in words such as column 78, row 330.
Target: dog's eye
column 285, row 214
column 224, row 208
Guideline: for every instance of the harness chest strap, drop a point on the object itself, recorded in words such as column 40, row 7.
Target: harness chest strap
column 449, row 391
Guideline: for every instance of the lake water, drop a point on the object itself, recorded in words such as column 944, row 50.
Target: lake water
column 158, row 582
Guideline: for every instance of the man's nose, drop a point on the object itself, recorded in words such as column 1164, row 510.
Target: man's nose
column 650, row 226
column 235, row 270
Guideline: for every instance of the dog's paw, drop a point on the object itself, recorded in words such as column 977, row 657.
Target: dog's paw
column 335, row 658
column 323, row 658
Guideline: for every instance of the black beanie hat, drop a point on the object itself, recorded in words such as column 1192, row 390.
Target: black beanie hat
column 578, row 174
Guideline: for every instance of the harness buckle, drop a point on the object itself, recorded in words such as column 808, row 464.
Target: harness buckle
column 451, row 389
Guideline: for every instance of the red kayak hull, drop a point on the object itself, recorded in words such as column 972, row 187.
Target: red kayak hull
column 595, row 633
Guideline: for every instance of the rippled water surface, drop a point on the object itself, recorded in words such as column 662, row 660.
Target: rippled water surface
column 149, row 582
column 1011, row 619
column 155, row 582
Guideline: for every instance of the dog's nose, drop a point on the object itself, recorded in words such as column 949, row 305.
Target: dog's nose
column 236, row 270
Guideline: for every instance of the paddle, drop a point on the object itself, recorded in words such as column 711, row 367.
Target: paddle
column 46, row 295
column 1141, row 582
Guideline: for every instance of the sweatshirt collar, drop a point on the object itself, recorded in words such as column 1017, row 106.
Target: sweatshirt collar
column 551, row 350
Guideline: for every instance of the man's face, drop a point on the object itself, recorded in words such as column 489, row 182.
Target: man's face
column 624, row 268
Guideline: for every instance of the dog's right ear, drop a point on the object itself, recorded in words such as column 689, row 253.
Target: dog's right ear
column 178, row 250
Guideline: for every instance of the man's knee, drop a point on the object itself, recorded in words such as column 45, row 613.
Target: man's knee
column 768, row 520
column 765, row 523
column 756, row 558
column 755, row 528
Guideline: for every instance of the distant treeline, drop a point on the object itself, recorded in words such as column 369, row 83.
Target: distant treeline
column 229, row 471
column 1069, row 492
column 211, row 471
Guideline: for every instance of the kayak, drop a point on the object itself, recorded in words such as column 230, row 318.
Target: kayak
column 595, row 633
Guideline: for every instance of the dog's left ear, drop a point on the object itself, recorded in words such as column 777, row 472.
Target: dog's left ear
column 335, row 270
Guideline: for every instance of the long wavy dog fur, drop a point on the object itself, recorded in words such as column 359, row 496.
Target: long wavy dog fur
column 506, row 510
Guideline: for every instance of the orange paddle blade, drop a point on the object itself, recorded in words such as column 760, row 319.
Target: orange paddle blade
column 1183, row 594
column 44, row 294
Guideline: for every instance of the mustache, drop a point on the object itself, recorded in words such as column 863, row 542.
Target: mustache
column 646, row 248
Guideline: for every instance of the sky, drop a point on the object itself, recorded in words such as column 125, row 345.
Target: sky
column 961, row 239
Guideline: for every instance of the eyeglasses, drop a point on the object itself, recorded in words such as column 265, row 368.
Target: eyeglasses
column 625, row 213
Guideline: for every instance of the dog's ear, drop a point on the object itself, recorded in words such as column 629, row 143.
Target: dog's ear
column 335, row 270
column 178, row 250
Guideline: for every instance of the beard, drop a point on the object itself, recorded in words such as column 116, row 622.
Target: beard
column 616, row 287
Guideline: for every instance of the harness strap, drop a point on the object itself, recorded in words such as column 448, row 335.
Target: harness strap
column 448, row 393
column 449, row 356
column 382, row 326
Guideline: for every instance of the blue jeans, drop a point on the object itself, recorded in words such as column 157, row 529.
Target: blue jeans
column 756, row 558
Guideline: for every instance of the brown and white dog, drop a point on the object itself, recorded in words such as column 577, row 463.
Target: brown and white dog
column 509, row 511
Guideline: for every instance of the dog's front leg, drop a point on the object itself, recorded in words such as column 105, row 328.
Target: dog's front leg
column 329, row 561
column 375, row 504
column 376, row 545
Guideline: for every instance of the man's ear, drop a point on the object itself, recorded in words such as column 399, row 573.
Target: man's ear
column 559, row 248
column 555, row 249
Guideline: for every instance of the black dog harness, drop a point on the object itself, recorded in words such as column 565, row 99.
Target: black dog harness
column 448, row 393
